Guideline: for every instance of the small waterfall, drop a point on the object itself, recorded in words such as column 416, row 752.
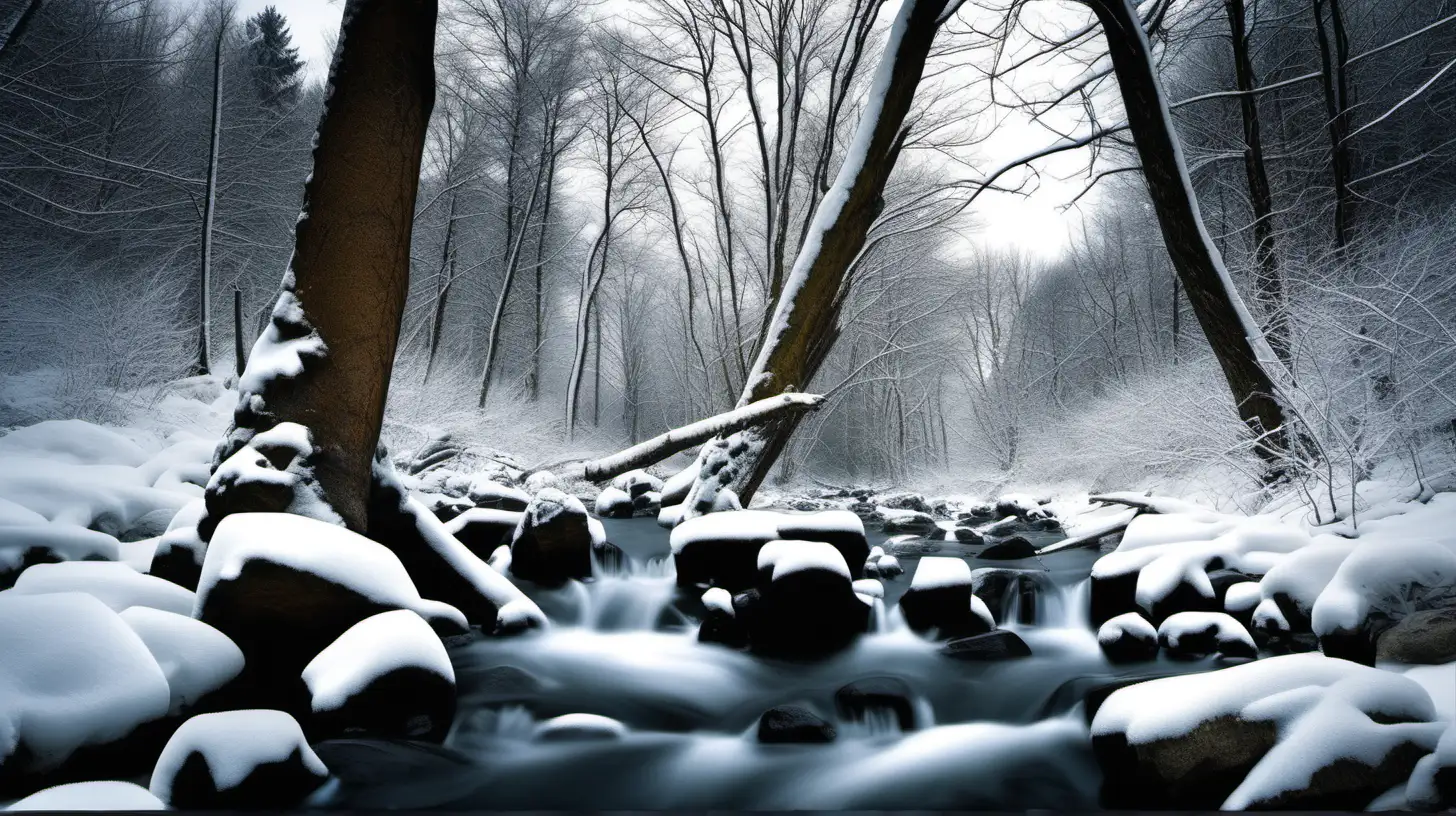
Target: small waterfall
column 877, row 722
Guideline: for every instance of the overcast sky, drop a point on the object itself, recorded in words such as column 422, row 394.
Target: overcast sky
column 1036, row 224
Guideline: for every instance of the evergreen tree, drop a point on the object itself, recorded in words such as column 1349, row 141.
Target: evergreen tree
column 274, row 63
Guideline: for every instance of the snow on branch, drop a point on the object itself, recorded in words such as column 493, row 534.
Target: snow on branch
column 680, row 439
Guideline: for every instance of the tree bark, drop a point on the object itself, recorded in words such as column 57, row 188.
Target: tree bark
column 1237, row 341
column 1261, row 200
column 203, row 364
column 805, row 322
column 1337, row 105
column 350, row 270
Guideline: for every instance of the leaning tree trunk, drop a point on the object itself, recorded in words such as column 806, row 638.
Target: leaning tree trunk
column 805, row 321
column 1236, row 339
column 325, row 360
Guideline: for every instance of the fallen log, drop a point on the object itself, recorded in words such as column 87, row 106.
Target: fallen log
column 680, row 439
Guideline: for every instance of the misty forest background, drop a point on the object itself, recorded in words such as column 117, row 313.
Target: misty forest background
column 152, row 157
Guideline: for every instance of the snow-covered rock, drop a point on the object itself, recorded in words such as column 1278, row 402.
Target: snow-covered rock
column 913, row 502
column 940, row 601
column 1399, row 568
column 1128, row 637
column 387, row 676
column 1241, row 599
column 579, row 728
column 271, row 473
column 675, row 488
column 1432, row 785
column 116, row 585
column 493, row 495
column 196, row 658
column 1260, row 732
column 1199, row 634
column 613, row 502
column 1295, row 583
column 804, row 605
column 721, row 549
column 441, row 567
column 896, row 521
column 179, row 554
column 283, row 587
column 74, row 442
column 637, row 483
column 28, row 538
column 553, row 542
column 237, row 760
column 78, row 796
column 72, row 674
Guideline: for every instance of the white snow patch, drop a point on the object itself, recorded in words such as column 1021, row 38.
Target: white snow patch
column 936, row 572
column 73, row 674
column 1128, row 623
column 788, row 557
column 718, row 598
column 1244, row 596
column 91, row 796
column 116, row 585
column 196, row 658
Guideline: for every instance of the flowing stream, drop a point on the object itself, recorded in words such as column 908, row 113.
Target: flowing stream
column 1008, row 735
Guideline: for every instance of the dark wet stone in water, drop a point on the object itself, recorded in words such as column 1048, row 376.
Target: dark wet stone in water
column 998, row 645
column 966, row 535
column 1009, row 550
column 608, row 558
column 793, row 724
column 858, row 700
column 724, row 629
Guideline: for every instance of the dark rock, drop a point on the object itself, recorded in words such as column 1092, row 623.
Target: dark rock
column 554, row 542
column 1001, row 587
column 482, row 531
column 1197, row 770
column 1128, row 638
column 997, row 645
column 1113, row 595
column 1046, row 525
column 904, row 501
column 793, row 724
column 500, row 684
column 862, row 700
column 1348, row 784
column 1010, row 549
column 723, row 628
column 609, row 559
column 914, row 524
column 730, row 560
column 944, row 605
column 1199, row 634
column 614, row 503
column 447, row 508
column 184, row 779
column 150, row 525
column 864, row 510
column 966, row 535
column 1426, row 637
column 393, row 699
column 638, row 483
column 808, row 613
column 1003, row 527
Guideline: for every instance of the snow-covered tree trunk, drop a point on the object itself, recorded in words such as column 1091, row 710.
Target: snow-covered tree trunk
column 1236, row 339
column 324, row 361
column 805, row 321
column 513, row 262
column 203, row 364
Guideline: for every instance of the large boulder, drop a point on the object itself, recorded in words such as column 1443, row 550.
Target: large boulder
column 237, row 760
column 553, row 542
column 1014, row 548
column 805, row 606
column 614, row 503
column 284, row 587
column 721, row 549
column 387, row 676
column 1382, row 582
column 73, row 675
column 1299, row 731
column 940, row 603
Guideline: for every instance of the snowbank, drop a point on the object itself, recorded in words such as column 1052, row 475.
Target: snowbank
column 196, row 658
column 116, row 585
column 91, row 796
